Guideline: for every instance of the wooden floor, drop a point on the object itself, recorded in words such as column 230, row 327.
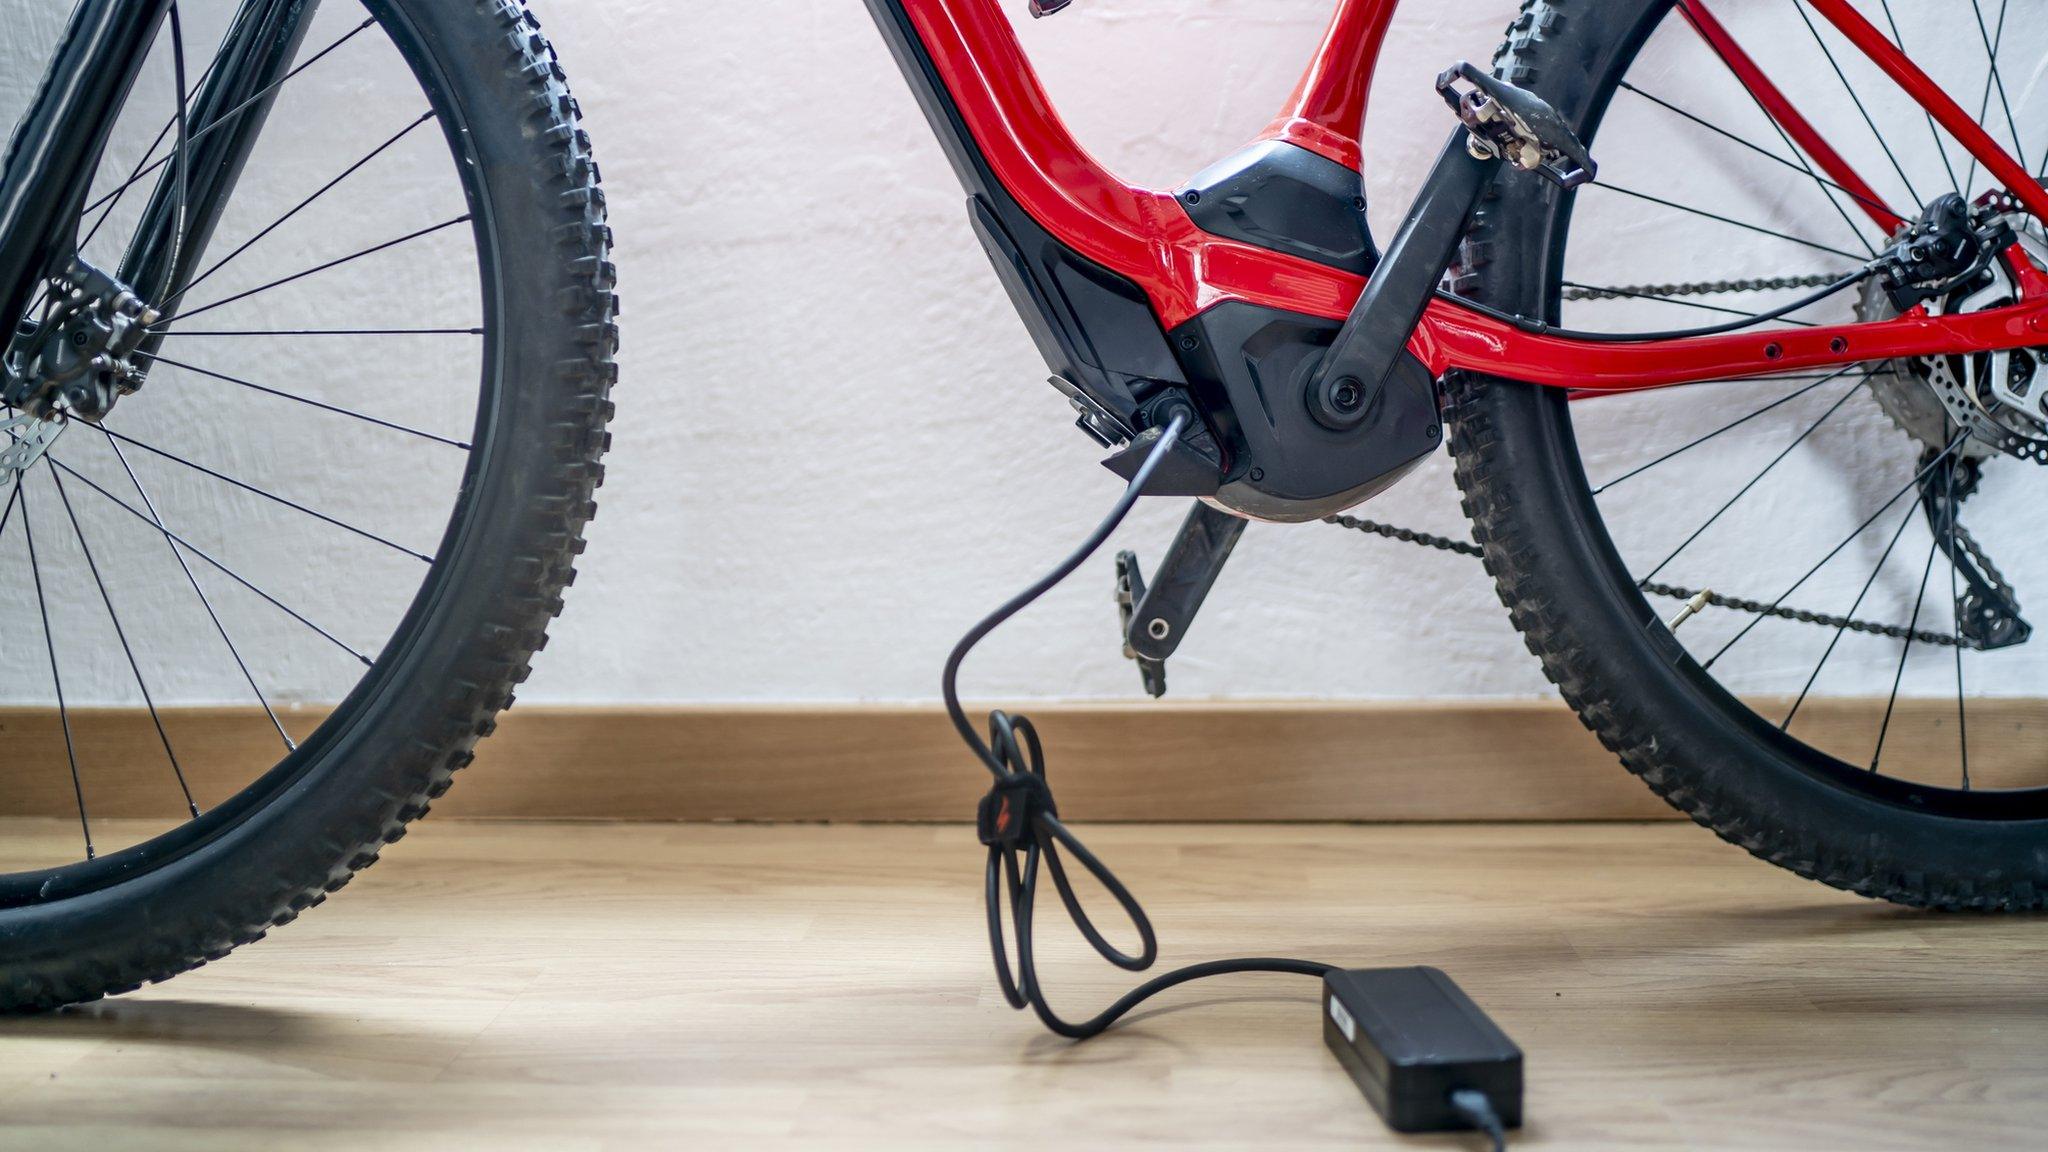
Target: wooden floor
column 601, row 986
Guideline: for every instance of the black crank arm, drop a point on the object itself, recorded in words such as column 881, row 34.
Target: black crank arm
column 1376, row 332
column 1503, row 123
column 1165, row 607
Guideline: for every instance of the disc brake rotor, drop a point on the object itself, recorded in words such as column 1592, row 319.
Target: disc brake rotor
column 27, row 439
column 2000, row 398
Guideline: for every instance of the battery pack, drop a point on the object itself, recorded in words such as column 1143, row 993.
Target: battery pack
column 1410, row 1037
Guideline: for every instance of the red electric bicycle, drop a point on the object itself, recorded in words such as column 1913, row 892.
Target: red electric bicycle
column 1746, row 416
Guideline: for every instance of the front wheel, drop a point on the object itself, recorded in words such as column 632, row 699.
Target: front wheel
column 261, row 612
column 1795, row 606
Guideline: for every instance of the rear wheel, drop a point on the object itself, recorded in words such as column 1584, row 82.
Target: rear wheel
column 1794, row 606
column 261, row 612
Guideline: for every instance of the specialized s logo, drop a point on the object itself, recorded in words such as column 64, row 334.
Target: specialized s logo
column 1003, row 817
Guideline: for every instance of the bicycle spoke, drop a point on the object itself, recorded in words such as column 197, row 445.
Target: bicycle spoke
column 121, row 190
column 266, row 494
column 1724, row 219
column 1604, row 292
column 1940, row 146
column 192, row 578
column 1754, row 480
column 327, row 332
column 1904, row 651
column 1984, row 100
column 1836, row 550
column 1956, row 621
column 1822, row 44
column 1736, row 423
column 315, row 270
column 204, row 555
column 1826, row 185
column 148, row 154
column 56, row 677
column 106, row 598
column 307, row 400
column 1993, row 77
column 301, row 206
column 1904, row 523
column 1784, row 137
column 230, row 114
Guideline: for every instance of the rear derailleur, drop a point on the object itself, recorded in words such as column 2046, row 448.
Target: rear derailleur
column 1987, row 609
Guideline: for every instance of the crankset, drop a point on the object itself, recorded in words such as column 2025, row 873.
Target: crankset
column 1367, row 411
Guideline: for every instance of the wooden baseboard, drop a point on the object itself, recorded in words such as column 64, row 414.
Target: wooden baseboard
column 1195, row 761
column 1483, row 760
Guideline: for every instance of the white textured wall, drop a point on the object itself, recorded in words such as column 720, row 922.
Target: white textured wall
column 835, row 448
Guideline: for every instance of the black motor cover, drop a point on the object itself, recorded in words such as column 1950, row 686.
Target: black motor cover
column 1255, row 365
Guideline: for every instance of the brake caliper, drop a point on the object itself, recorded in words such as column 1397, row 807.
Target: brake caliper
column 75, row 356
column 1952, row 244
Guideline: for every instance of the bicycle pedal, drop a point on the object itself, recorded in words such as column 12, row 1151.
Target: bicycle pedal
column 1515, row 125
column 1130, row 592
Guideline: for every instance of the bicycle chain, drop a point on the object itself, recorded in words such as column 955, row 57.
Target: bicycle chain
column 1675, row 592
column 1704, row 287
column 1985, row 567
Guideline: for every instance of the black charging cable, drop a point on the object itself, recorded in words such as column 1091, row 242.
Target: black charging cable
column 1478, row 1111
column 1020, row 824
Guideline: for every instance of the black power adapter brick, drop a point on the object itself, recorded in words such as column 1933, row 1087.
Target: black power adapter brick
column 1425, row 1055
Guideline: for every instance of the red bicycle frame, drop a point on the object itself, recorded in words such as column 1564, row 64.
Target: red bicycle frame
column 1147, row 237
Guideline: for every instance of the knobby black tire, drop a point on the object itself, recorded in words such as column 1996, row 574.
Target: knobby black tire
column 1576, row 604
column 440, row 687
